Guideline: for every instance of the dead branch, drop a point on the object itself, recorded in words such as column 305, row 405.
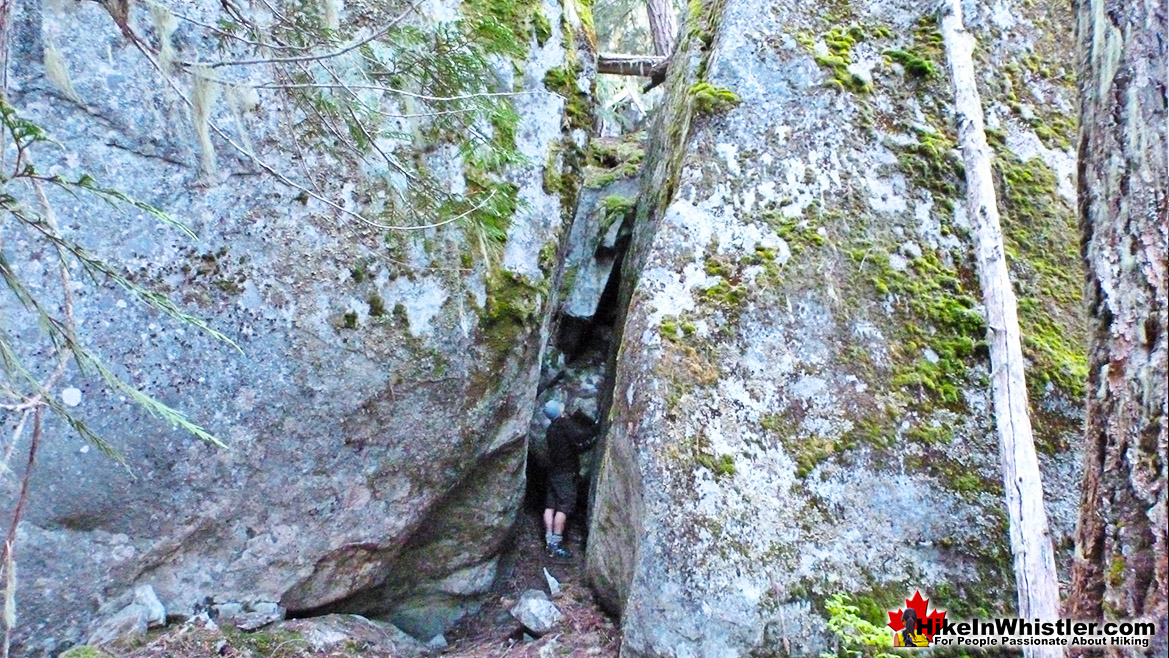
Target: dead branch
column 621, row 64
column 1034, row 559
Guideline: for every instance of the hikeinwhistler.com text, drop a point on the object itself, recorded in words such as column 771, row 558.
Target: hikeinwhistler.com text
column 1014, row 632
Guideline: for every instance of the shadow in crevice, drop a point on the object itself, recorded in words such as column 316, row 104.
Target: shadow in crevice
column 579, row 356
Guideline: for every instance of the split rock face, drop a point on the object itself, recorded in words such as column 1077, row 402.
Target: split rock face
column 800, row 404
column 376, row 411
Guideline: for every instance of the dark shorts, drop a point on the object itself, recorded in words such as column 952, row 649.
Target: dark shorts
column 561, row 493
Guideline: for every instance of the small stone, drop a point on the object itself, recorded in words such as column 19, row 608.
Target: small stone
column 437, row 643
column 129, row 622
column 145, row 611
column 329, row 633
column 248, row 617
column 261, row 614
column 553, row 584
column 154, row 613
column 536, row 612
column 71, row 396
column 783, row 252
column 549, row 650
column 202, row 620
column 322, row 638
column 227, row 611
column 861, row 72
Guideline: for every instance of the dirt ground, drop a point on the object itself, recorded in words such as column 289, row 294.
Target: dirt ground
column 584, row 631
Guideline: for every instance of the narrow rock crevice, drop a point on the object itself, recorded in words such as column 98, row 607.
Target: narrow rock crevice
column 585, row 334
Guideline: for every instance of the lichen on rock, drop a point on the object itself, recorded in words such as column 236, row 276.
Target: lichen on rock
column 800, row 408
column 377, row 415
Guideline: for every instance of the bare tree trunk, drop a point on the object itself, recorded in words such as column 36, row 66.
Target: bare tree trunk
column 1121, row 564
column 1034, row 559
column 663, row 25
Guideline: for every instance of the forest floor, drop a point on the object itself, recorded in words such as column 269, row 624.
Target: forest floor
column 584, row 631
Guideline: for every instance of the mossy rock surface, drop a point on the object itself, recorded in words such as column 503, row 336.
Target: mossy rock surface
column 384, row 375
column 85, row 652
column 801, row 303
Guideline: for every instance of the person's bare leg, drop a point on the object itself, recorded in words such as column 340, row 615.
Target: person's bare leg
column 549, row 518
column 558, row 523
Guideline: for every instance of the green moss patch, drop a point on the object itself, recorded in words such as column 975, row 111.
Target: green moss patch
column 505, row 27
column 915, row 65
column 584, row 11
column 702, row 19
column 1042, row 242
column 722, row 466
column 512, row 309
column 578, row 107
column 611, row 159
column 498, row 203
column 615, row 208
column 85, row 652
column 840, row 42
column 725, row 294
column 933, row 164
column 541, row 27
column 709, row 99
column 808, row 452
column 800, row 233
column 925, row 56
column 563, row 173
column 564, row 170
column 941, row 318
column 377, row 306
column 1054, row 128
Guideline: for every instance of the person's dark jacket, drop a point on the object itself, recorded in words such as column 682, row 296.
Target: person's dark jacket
column 568, row 437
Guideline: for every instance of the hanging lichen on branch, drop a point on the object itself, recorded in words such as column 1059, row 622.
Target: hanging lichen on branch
column 368, row 88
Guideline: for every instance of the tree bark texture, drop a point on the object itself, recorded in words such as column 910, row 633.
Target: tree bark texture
column 663, row 25
column 1034, row 559
column 1120, row 569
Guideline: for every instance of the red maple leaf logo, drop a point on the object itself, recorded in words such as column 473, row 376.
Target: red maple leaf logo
column 919, row 606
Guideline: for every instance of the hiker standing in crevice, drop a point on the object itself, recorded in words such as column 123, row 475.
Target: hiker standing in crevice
column 567, row 438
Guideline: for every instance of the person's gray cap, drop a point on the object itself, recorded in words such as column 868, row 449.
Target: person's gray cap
column 553, row 409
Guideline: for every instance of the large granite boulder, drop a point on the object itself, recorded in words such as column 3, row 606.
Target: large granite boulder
column 800, row 406
column 375, row 413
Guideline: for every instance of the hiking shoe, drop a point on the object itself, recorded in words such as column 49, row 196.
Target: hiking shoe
column 560, row 553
